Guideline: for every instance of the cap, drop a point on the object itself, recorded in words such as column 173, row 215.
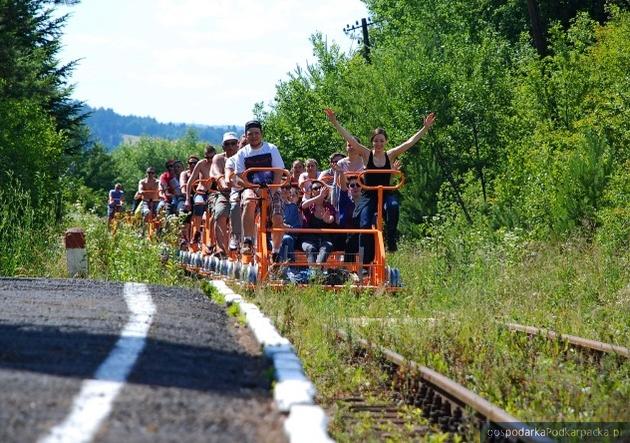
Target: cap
column 252, row 124
column 229, row 136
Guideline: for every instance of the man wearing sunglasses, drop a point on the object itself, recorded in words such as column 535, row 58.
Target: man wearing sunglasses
column 221, row 208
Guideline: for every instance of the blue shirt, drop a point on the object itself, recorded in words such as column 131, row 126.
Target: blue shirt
column 292, row 215
column 116, row 196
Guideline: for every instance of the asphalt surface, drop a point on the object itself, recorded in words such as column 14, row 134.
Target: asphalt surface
column 200, row 377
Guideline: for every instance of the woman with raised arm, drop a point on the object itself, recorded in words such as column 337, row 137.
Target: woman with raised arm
column 375, row 159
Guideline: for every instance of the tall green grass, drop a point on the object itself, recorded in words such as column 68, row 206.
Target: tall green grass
column 30, row 241
column 460, row 287
column 128, row 256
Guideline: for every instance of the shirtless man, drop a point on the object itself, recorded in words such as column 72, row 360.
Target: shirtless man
column 185, row 175
column 221, row 207
column 183, row 181
column 148, row 189
column 200, row 193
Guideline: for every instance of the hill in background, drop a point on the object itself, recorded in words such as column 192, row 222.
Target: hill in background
column 111, row 129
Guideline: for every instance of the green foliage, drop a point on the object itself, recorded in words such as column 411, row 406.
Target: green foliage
column 522, row 140
column 31, row 152
column 614, row 217
column 95, row 167
column 126, row 256
column 29, row 65
column 461, row 285
column 30, row 242
column 212, row 292
column 130, row 161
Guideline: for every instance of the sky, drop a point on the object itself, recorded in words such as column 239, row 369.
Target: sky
column 195, row 61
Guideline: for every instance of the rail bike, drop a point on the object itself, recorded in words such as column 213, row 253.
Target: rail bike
column 151, row 223
column 259, row 268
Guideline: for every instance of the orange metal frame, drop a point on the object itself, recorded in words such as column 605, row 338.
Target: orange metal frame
column 377, row 277
column 151, row 197
column 196, row 222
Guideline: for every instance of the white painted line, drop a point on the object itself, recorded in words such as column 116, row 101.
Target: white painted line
column 307, row 424
column 293, row 391
column 94, row 402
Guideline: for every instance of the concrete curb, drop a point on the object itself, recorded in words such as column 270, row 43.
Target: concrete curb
column 293, row 392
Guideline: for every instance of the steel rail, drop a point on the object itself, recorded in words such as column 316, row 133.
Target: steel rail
column 585, row 343
column 453, row 391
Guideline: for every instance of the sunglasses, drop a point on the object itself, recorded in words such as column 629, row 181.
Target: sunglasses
column 230, row 143
column 192, row 163
column 316, row 188
column 151, row 172
column 353, row 185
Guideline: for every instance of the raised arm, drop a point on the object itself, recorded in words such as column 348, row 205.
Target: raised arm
column 363, row 151
column 398, row 150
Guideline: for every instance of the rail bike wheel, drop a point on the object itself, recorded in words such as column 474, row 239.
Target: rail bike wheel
column 244, row 272
column 229, row 268
column 235, row 270
column 206, row 264
column 214, row 264
column 252, row 275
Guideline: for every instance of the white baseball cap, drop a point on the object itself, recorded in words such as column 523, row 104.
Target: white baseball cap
column 229, row 136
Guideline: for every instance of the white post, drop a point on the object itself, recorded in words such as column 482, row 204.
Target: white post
column 75, row 253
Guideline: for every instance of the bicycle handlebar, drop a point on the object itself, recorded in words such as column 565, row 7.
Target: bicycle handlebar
column 149, row 194
column 398, row 185
column 247, row 184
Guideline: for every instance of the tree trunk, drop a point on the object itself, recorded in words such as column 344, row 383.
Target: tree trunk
column 537, row 32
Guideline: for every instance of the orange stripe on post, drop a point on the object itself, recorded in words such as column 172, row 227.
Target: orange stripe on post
column 75, row 238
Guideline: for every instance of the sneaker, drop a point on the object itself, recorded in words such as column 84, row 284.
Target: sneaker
column 275, row 257
column 233, row 246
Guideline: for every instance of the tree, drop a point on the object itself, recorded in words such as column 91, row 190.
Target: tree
column 29, row 47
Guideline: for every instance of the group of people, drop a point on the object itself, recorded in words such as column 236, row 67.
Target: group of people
column 331, row 198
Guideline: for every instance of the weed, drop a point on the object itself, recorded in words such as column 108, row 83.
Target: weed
column 234, row 310
column 212, row 292
column 459, row 290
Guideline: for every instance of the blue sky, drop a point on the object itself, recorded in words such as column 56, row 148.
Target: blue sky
column 195, row 61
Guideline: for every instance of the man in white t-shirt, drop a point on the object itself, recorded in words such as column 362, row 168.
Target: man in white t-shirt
column 258, row 154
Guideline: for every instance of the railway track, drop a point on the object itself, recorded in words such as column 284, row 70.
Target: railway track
column 583, row 344
column 444, row 402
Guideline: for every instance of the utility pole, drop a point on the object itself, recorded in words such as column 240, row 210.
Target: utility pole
column 366, row 37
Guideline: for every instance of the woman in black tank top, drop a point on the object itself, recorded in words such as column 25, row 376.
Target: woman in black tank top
column 374, row 159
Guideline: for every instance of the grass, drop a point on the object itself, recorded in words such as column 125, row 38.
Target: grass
column 128, row 256
column 212, row 292
column 459, row 291
column 30, row 242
